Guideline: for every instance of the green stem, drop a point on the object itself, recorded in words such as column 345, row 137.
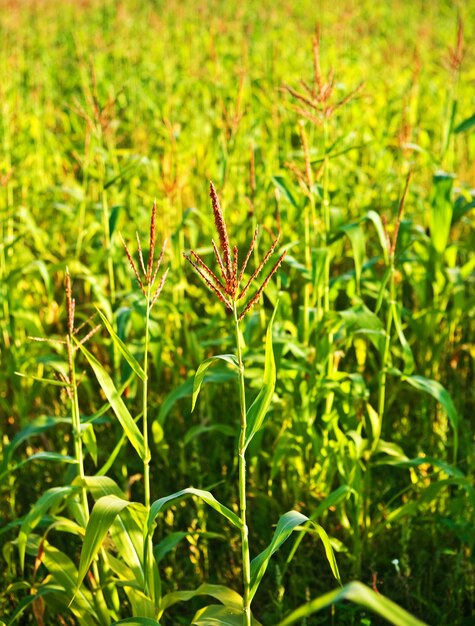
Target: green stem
column 387, row 343
column 246, row 560
column 76, row 424
column 326, row 274
column 149, row 575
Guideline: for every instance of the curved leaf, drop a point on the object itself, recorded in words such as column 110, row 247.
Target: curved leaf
column 258, row 409
column 201, row 371
column 102, row 517
column 225, row 595
column 121, row 411
column 33, row 518
column 216, row 615
column 128, row 356
column 138, row 621
column 359, row 594
column 206, row 496
column 286, row 524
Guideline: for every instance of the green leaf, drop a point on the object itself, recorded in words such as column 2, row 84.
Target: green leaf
column 359, row 594
column 216, row 615
column 201, row 371
column 48, row 500
column 103, row 515
column 128, row 356
column 138, row 621
column 375, row 218
column 223, row 594
column 121, row 411
column 466, row 124
column 356, row 235
column 437, row 391
column 441, row 210
column 29, row 599
column 55, row 457
column 206, row 496
column 286, row 524
column 89, row 438
column 64, row 573
column 280, row 183
column 406, row 349
column 199, row 429
column 359, row 319
column 258, row 409
column 328, row 549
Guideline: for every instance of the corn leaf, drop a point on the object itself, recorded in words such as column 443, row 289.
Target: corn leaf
column 258, row 409
column 225, row 595
column 359, row 594
column 102, row 517
column 286, row 524
column 201, row 371
column 216, row 615
column 126, row 353
column 121, row 411
column 48, row 500
column 206, row 496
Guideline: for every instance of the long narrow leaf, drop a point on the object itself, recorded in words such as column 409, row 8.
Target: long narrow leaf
column 206, row 496
column 128, row 356
column 103, row 515
column 286, row 524
column 359, row 594
column 201, row 371
column 258, row 409
column 121, row 411
column 49, row 499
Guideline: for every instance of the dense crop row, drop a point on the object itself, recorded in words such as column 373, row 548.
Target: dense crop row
column 269, row 395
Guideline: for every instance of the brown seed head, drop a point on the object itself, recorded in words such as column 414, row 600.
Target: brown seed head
column 222, row 231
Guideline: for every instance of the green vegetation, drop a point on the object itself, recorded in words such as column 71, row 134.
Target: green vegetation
column 265, row 425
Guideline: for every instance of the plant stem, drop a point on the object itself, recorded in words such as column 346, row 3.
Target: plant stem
column 76, row 424
column 246, row 561
column 149, row 586
column 326, row 276
column 387, row 343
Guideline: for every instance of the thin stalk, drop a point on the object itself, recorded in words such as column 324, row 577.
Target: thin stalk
column 76, row 424
column 326, row 274
column 387, row 342
column 246, row 560
column 78, row 453
column 149, row 586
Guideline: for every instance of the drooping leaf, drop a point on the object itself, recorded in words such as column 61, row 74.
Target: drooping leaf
column 121, row 411
column 258, row 409
column 355, row 234
column 138, row 621
column 216, row 615
column 45, row 503
column 437, row 391
column 129, row 357
column 223, row 594
column 286, row 524
column 359, row 594
column 201, row 371
column 102, row 516
column 280, row 183
column 206, row 496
